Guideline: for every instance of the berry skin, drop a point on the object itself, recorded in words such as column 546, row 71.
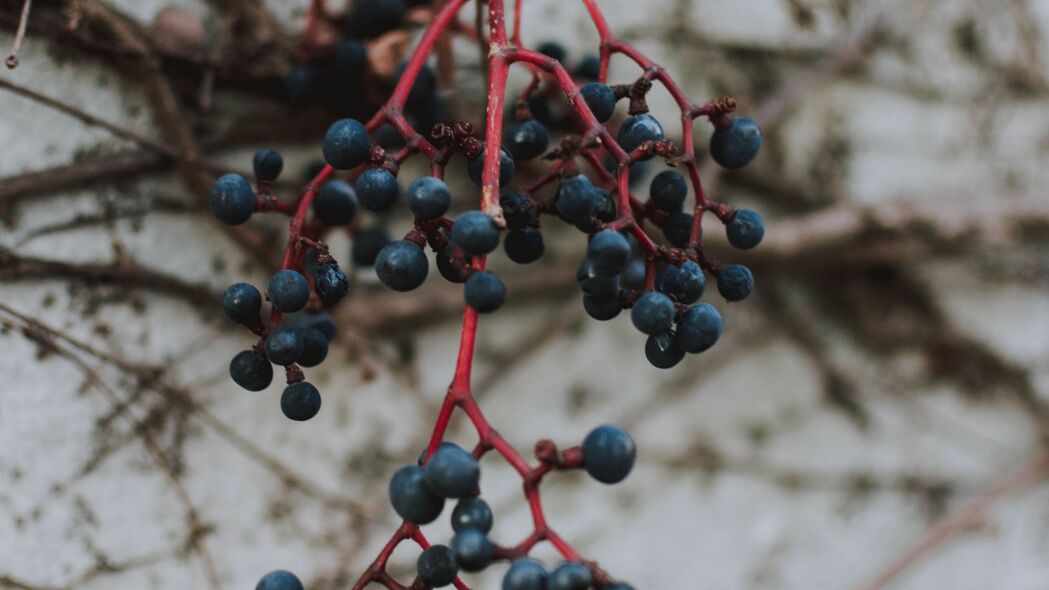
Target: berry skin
column 279, row 580
column 745, row 230
column 346, row 144
column 527, row 139
column 429, row 198
column 634, row 275
column 518, row 210
column 608, row 454
column 476, row 233
column 601, row 100
column 302, row 83
column 314, row 347
column 241, row 303
column 473, row 551
column 436, row 566
column 371, row 18
column 300, row 401
column 653, row 313
column 677, row 228
column 662, row 351
column 553, row 49
column 735, row 282
column 251, row 371
column 570, row 576
column 589, row 67
column 593, row 284
column 232, row 199
column 525, row 574
column 609, row 253
column 472, row 513
column 601, row 308
column 699, row 328
column 575, row 198
column 367, row 244
column 401, row 265
column 284, row 346
column 452, row 472
column 411, row 497
column 330, row 283
column 485, row 292
column 336, row 203
column 350, row 58
column 475, row 167
column 668, row 191
column 524, row 245
column 288, row 290
column 377, row 189
column 604, row 206
column 736, row 145
column 637, row 130
column 684, row 283
column 446, row 265
column 268, row 164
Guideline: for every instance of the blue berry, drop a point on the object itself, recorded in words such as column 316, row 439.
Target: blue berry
column 371, row 18
column 232, row 199
column 473, row 551
column 284, row 346
column 634, row 275
column 314, row 347
column 604, row 205
column 303, row 83
column 411, row 498
column 524, row 245
column 437, row 567
column 377, row 189
column 745, row 230
column 608, row 454
column 241, row 303
column 251, row 371
column 575, row 198
column 336, row 203
column 475, row 167
column 601, row 308
column 446, row 265
column 330, row 283
column 388, row 137
column 553, row 49
column 288, row 290
column 350, row 58
column 307, row 320
column 593, row 284
column 485, row 292
column 346, row 144
column 525, row 574
column 452, row 472
column 279, row 580
column 268, row 164
column 429, row 197
column 300, row 401
column 677, row 228
column 367, row 244
column 570, row 576
column 527, row 139
column 601, row 99
column 683, row 283
column 735, row 282
column 668, row 191
column 589, row 67
column 662, row 351
column 401, row 265
column 699, row 328
column 737, row 144
column 476, row 233
column 518, row 210
column 637, row 130
column 653, row 313
column 609, row 253
column 472, row 513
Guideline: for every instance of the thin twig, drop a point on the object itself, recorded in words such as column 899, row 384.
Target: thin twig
column 12, row 60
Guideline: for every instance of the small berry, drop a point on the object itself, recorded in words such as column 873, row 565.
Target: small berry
column 527, row 139
column 608, row 454
column 437, row 567
column 735, row 282
column 485, row 291
column 518, row 210
column 668, row 191
column 678, row 228
column 524, row 245
column 303, row 83
column 745, row 230
column 553, row 49
column 601, row 100
column 476, row 233
column 653, row 313
column 241, row 303
column 589, row 67
column 251, row 371
column 601, row 308
column 473, row 551
column 336, row 203
column 288, row 290
column 319, row 320
column 609, row 253
column 284, row 346
column 736, row 145
column 377, row 189
column 637, row 130
column 279, row 580
column 699, row 328
column 452, row 472
column 367, row 244
column 300, row 401
column 684, row 283
column 446, row 265
column 604, row 206
column 525, row 574
column 593, row 284
column 411, row 497
column 330, row 283
column 268, row 164
column 429, row 197
column 372, row 18
column 570, row 576
column 401, row 265
column 346, row 144
column 662, row 351
column 475, row 167
column 575, row 198
column 232, row 199
column 350, row 58
column 634, row 275
column 472, row 513
column 314, row 347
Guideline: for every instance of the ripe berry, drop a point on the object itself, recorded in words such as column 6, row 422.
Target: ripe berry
column 429, row 198
column 527, row 139
column 472, row 513
column 350, row 58
column 653, row 313
column 302, row 83
column 593, row 284
column 575, row 198
column 699, row 328
column 475, row 167
column 377, row 189
column 473, row 551
column 411, row 497
column 447, row 267
column 662, row 351
column 330, row 283
column 745, row 230
column 608, row 454
column 735, row 282
column 524, row 245
column 601, row 308
column 452, row 472
column 485, row 292
column 288, row 290
column 553, row 49
column 268, row 164
column 677, row 228
column 476, row 233
column 232, row 199
column 609, row 253
column 604, row 205
column 518, row 210
column 684, row 283
column 737, row 144
column 300, row 401
column 251, row 371
column 601, row 100
column 525, row 574
column 401, row 265
column 371, row 18
column 279, row 580
column 367, row 244
column 346, row 144
column 668, row 191
column 634, row 275
column 589, row 67
column 314, row 347
column 241, row 303
column 637, row 130
column 436, row 566
column 336, row 203
column 284, row 346
column 570, row 576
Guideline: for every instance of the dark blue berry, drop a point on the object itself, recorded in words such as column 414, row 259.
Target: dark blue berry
column 662, row 351
column 288, row 290
column 306, row 320
column 668, row 191
column 251, row 371
column 589, row 67
column 525, row 574
column 303, row 83
column 608, row 454
column 735, row 282
column 575, row 198
column 312, row 170
column 524, row 245
column 476, row 233
column 411, row 498
column 346, row 144
column 634, row 275
column 485, row 292
column 527, row 139
column 637, row 130
column 475, row 167
column 284, row 346
column 424, row 90
column 336, row 203
column 279, row 580
column 314, row 347
column 367, row 244
column 447, row 267
column 653, row 313
column 437, row 567
column 300, row 401
column 241, row 303
column 737, row 144
column 604, row 206
column 401, row 265
column 601, row 308
column 601, row 99
column 452, row 472
column 699, row 328
column 678, row 228
column 473, row 551
column 268, row 164
column 553, row 49
column 429, row 197
column 472, row 513
column 570, row 576
column 330, row 283
column 593, row 284
column 683, row 283
column 377, row 189
column 350, row 58
column 388, row 137
column 232, row 199
column 370, row 18
column 745, row 230
column 609, row 253
column 518, row 210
